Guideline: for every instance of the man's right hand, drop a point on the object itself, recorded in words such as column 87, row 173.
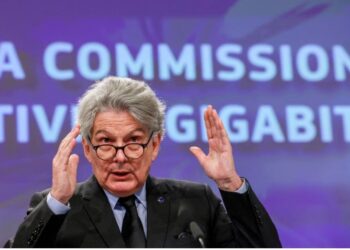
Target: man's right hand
column 64, row 168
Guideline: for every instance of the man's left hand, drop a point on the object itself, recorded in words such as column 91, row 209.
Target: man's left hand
column 218, row 164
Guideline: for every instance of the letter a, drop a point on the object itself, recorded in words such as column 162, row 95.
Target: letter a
column 9, row 61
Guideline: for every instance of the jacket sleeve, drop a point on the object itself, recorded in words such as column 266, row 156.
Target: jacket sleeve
column 253, row 226
column 40, row 226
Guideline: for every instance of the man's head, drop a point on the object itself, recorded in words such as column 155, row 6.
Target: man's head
column 119, row 111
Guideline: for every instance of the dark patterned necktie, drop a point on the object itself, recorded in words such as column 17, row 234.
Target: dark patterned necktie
column 132, row 230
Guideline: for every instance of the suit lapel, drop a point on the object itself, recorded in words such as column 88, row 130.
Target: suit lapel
column 99, row 210
column 158, row 209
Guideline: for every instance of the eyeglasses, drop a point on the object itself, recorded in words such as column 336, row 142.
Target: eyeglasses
column 107, row 152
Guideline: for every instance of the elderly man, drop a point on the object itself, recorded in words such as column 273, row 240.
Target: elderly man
column 121, row 205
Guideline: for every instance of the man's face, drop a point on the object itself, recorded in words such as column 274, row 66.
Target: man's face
column 120, row 176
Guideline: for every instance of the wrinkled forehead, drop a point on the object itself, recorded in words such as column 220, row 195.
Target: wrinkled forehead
column 116, row 122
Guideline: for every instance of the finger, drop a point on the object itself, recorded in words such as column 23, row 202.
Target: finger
column 224, row 140
column 199, row 154
column 73, row 162
column 66, row 147
column 223, row 133
column 220, row 129
column 61, row 160
column 71, row 135
column 207, row 122
column 212, row 123
column 65, row 152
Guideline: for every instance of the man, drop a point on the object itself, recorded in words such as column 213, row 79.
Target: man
column 122, row 124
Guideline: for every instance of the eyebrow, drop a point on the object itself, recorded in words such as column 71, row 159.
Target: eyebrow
column 128, row 134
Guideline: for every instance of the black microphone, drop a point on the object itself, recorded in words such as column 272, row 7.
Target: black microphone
column 197, row 233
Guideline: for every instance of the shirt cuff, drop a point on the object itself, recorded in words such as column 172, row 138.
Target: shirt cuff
column 56, row 206
column 243, row 188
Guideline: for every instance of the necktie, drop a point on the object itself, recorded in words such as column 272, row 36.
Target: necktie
column 132, row 230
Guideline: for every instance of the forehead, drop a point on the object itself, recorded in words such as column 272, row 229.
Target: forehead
column 116, row 122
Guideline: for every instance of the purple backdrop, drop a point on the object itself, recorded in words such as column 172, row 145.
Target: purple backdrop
column 277, row 72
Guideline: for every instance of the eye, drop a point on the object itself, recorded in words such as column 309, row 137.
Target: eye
column 105, row 140
column 134, row 139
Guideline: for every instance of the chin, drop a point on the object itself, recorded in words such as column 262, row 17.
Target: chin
column 123, row 188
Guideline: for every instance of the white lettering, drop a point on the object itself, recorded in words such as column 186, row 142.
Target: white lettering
column 188, row 126
column 9, row 61
column 104, row 61
column 50, row 60
column 184, row 64
column 143, row 62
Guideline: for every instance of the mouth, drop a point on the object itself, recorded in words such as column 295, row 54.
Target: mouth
column 121, row 174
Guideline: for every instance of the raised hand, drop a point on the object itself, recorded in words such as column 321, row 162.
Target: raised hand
column 218, row 164
column 64, row 168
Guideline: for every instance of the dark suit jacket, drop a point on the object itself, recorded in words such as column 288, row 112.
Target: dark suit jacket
column 171, row 206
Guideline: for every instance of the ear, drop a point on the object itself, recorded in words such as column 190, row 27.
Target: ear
column 87, row 150
column 156, row 146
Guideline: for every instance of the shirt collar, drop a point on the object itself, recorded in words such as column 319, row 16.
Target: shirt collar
column 140, row 197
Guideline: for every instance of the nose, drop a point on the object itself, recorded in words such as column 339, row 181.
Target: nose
column 119, row 156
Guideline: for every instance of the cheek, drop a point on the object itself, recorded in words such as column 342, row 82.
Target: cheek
column 100, row 170
column 141, row 168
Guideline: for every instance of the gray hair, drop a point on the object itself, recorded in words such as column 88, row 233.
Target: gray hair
column 121, row 94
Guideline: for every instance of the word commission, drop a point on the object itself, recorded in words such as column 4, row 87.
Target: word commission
column 227, row 62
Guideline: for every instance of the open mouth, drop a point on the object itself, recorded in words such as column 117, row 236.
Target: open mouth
column 121, row 174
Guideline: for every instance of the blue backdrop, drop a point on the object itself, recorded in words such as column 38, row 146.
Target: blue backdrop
column 277, row 72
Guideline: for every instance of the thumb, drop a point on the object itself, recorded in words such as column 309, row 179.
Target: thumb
column 73, row 162
column 198, row 153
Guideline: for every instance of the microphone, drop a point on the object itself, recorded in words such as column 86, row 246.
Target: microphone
column 197, row 233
